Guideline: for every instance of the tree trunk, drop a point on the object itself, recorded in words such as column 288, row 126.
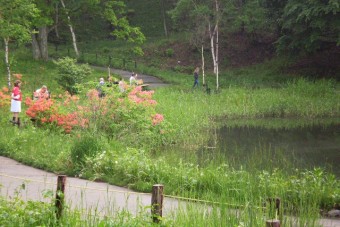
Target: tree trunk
column 39, row 44
column 74, row 41
column 35, row 48
column 217, row 71
column 56, row 21
column 6, row 41
column 164, row 19
column 203, row 74
column 217, row 59
column 212, row 35
column 42, row 40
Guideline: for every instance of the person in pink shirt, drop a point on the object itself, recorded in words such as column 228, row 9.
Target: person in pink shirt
column 16, row 102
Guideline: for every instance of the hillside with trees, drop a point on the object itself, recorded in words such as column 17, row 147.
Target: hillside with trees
column 225, row 33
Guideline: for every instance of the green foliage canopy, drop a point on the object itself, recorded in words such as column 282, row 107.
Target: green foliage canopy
column 16, row 19
column 310, row 25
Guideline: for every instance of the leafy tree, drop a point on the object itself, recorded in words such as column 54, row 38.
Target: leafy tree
column 247, row 16
column 57, row 13
column 43, row 24
column 15, row 24
column 274, row 11
column 310, row 25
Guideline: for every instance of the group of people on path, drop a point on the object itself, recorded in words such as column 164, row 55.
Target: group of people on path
column 16, row 99
column 121, row 84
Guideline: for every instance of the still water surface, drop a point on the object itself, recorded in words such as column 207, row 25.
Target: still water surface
column 265, row 144
column 262, row 147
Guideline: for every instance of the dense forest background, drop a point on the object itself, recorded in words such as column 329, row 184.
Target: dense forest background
column 250, row 31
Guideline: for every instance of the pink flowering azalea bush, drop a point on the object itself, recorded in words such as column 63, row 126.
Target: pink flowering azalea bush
column 5, row 97
column 50, row 113
column 131, row 115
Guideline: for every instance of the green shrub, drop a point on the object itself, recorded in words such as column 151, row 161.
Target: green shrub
column 70, row 74
column 87, row 146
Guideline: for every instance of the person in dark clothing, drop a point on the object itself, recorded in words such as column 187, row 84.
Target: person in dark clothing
column 196, row 76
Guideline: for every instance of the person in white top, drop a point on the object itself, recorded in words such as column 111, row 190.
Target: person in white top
column 133, row 79
column 41, row 93
column 121, row 85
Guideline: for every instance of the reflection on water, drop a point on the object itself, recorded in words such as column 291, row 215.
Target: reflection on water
column 272, row 147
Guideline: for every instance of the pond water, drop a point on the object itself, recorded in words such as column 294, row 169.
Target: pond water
column 275, row 144
column 265, row 144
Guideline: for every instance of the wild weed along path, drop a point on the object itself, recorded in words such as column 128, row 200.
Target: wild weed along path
column 103, row 199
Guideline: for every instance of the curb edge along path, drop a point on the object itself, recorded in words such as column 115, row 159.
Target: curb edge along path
column 152, row 81
column 86, row 195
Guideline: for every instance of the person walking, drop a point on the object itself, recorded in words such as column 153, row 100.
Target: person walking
column 196, row 77
column 16, row 99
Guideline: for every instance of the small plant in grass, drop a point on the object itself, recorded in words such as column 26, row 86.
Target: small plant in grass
column 169, row 52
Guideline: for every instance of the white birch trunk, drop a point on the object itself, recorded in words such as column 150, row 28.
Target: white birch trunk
column 6, row 41
column 212, row 45
column 164, row 19
column 216, row 58
column 74, row 41
column 217, row 71
column 203, row 74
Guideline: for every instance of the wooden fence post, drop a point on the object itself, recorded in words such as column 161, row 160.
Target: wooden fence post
column 277, row 203
column 59, row 199
column 157, row 202
column 273, row 223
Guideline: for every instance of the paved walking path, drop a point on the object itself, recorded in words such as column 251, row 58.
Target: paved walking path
column 152, row 81
column 103, row 198
column 79, row 193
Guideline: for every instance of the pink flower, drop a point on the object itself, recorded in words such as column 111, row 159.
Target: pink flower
column 157, row 119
